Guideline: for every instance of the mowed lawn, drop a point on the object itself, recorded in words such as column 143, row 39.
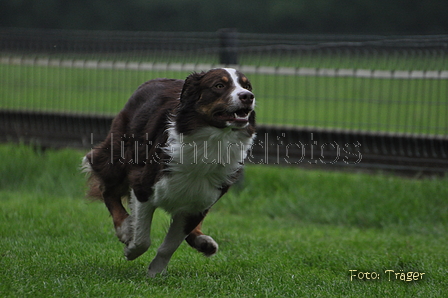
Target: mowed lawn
column 392, row 105
column 283, row 232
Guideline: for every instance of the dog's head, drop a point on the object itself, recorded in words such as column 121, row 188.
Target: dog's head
column 221, row 98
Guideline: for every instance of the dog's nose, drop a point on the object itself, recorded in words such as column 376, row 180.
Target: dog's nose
column 246, row 97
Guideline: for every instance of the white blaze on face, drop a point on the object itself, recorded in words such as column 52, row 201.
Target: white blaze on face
column 237, row 87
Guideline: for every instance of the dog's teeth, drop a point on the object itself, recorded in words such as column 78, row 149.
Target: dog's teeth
column 235, row 115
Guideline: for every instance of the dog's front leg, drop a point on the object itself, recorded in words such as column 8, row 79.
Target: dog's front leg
column 178, row 231
column 173, row 239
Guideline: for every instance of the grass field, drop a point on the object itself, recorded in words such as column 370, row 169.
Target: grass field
column 287, row 233
column 393, row 105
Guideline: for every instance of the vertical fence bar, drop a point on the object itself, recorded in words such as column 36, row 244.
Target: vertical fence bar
column 382, row 86
column 228, row 43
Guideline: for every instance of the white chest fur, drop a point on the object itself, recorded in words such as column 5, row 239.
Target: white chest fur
column 200, row 164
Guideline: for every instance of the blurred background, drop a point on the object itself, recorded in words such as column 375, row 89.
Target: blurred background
column 251, row 16
column 363, row 82
column 358, row 87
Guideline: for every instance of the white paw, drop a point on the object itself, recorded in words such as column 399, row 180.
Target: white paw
column 206, row 245
column 134, row 250
column 124, row 232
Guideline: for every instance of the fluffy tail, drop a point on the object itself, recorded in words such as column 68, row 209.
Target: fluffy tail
column 93, row 181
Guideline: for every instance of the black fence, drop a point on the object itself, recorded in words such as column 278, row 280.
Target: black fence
column 350, row 101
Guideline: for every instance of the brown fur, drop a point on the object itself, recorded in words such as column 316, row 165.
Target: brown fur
column 132, row 154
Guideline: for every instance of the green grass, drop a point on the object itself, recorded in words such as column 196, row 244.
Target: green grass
column 407, row 106
column 340, row 58
column 100, row 91
column 411, row 106
column 325, row 58
column 287, row 233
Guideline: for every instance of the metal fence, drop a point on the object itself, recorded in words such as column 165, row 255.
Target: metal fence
column 369, row 95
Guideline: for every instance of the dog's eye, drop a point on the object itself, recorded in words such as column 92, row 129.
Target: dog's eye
column 219, row 86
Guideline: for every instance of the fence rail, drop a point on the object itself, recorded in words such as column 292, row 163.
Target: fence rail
column 304, row 147
column 387, row 94
column 247, row 69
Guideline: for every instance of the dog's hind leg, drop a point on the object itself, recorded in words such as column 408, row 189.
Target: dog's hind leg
column 119, row 215
column 107, row 183
column 140, row 225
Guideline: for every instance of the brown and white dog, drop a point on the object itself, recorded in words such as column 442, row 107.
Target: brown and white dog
column 178, row 145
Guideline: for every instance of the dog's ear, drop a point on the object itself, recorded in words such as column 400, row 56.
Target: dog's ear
column 191, row 87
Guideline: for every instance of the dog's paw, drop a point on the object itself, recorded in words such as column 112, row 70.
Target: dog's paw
column 154, row 273
column 157, row 266
column 133, row 250
column 206, row 245
column 124, row 232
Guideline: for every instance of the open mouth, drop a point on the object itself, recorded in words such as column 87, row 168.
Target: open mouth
column 239, row 116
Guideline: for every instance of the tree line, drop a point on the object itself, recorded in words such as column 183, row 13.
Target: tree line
column 252, row 16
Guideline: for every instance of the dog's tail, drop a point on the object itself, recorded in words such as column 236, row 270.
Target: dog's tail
column 93, row 181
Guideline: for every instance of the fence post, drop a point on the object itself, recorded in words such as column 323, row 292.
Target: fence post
column 228, row 43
